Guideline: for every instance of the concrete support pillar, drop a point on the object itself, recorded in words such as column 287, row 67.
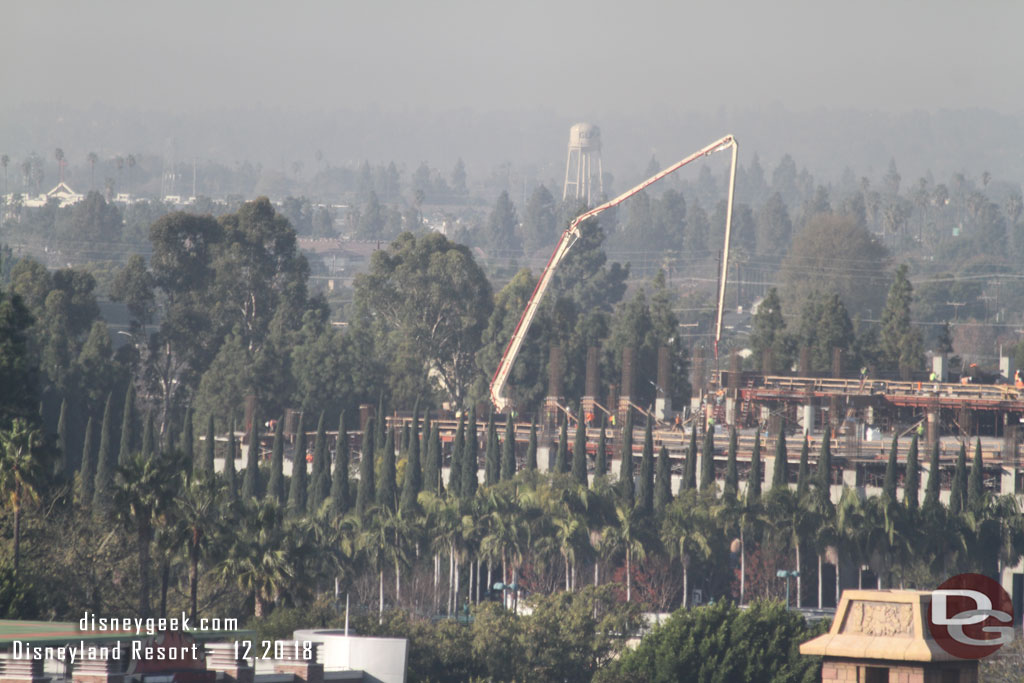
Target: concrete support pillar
column 555, row 396
column 663, row 394
column 589, row 400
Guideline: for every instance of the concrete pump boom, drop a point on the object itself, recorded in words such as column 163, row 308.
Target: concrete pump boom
column 569, row 237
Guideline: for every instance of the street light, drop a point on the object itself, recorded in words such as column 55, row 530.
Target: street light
column 787, row 575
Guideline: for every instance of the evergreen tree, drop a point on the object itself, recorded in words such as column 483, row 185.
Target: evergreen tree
column 889, row 483
column 168, row 445
column 976, row 481
column 403, row 447
column 367, row 492
column 382, row 422
column 912, row 479
column 412, row 482
column 645, row 497
column 579, row 454
column 803, row 472
column 340, row 502
column 825, row 461
column 432, row 464
column 297, row 497
column 901, row 345
column 470, row 459
column 690, row 466
column 436, row 453
column 209, row 448
column 601, row 461
column 319, row 480
column 492, row 459
column 663, row 481
column 387, row 490
column 958, row 491
column 105, row 463
column 627, row 487
column 780, row 475
column 531, row 448
column 127, row 427
column 63, row 468
column 87, row 474
column 732, row 478
column 188, row 445
column 931, row 489
column 562, row 452
column 148, row 441
column 251, row 478
column 455, row 466
column 707, row 465
column 508, row 451
column 755, row 476
column 229, row 474
column 275, row 487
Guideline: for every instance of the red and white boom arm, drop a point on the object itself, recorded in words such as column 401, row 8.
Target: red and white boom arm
column 569, row 237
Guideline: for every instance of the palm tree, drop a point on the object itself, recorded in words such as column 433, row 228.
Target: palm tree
column 380, row 539
column 686, row 534
column 19, row 472
column 632, row 535
column 260, row 561
column 58, row 154
column 5, row 162
column 141, row 494
column 199, row 515
column 508, row 534
column 92, row 159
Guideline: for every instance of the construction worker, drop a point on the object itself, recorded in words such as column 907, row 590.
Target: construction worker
column 1017, row 381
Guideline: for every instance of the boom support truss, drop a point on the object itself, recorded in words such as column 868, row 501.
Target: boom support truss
column 568, row 239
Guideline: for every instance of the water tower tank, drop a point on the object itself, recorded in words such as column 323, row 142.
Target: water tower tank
column 583, row 165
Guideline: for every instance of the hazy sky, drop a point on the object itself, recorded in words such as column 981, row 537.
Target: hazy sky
column 586, row 59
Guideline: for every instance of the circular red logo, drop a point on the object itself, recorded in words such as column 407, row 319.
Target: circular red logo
column 970, row 616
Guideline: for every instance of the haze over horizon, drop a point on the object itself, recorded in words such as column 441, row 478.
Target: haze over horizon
column 416, row 81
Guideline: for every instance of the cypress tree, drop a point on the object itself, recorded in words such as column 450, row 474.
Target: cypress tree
column 579, row 454
column 645, row 497
column 732, row 478
column 432, row 464
column 889, row 483
column 275, row 487
column 531, row 448
column 230, row 476
column 455, row 466
column 319, row 480
column 508, row 451
column 105, row 463
column 87, row 475
column 340, row 502
column 406, row 438
column 127, row 426
column 931, row 489
column 367, row 492
column 627, row 487
column 167, row 446
column 297, row 498
column 663, row 481
column 690, row 467
column 976, row 481
column 492, row 459
column 437, row 455
column 825, row 461
column 601, row 461
column 912, row 480
column 754, row 479
column 251, row 479
column 780, row 475
column 148, row 441
column 209, row 448
column 412, row 483
column 802, row 473
column 707, row 465
column 958, row 491
column 188, row 447
column 63, row 468
column 382, row 422
column 562, row 452
column 470, row 459
column 387, row 491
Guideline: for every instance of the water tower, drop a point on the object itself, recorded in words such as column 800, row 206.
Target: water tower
column 583, row 165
